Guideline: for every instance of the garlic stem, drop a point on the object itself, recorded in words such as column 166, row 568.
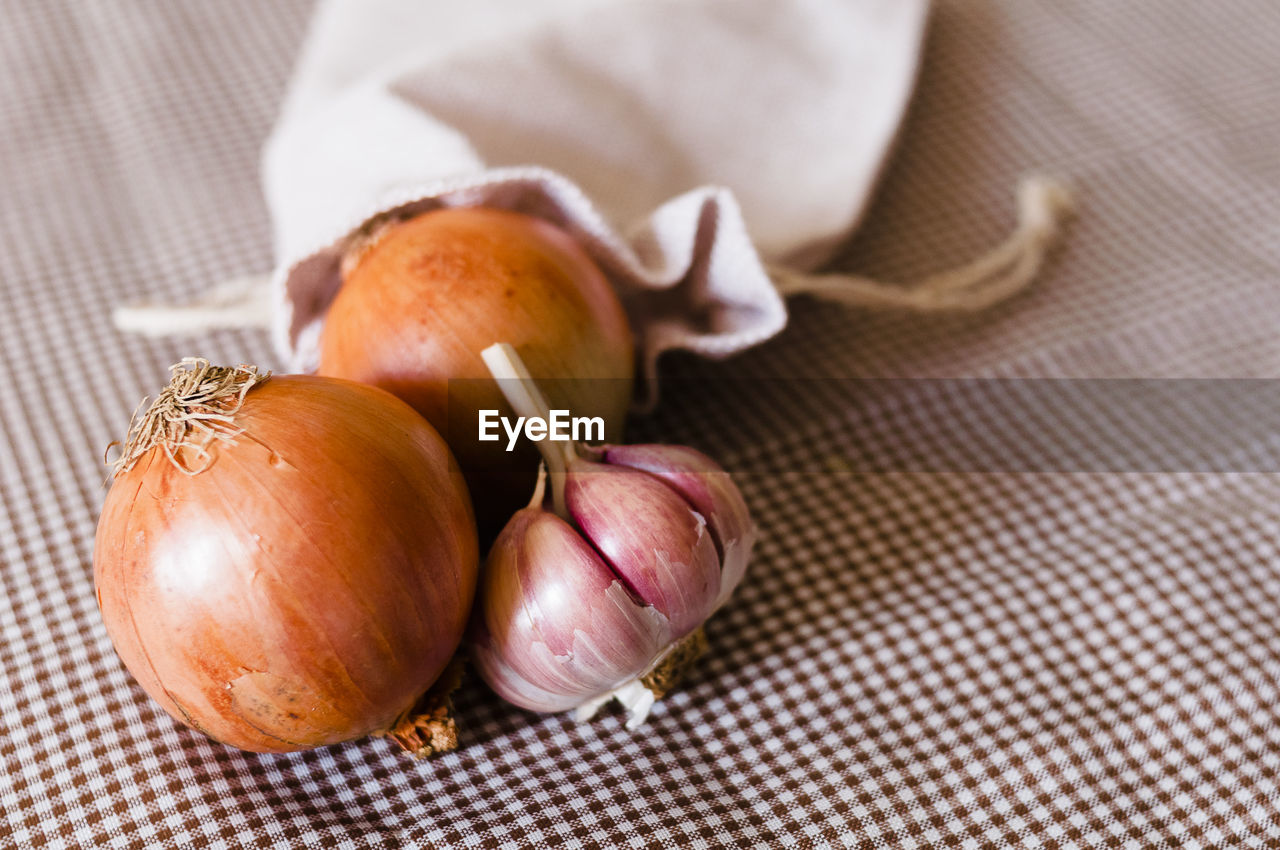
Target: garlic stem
column 540, row 488
column 527, row 400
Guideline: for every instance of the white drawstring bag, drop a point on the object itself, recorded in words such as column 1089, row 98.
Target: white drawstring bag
column 704, row 152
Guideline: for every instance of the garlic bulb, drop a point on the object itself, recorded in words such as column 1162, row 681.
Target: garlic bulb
column 604, row 595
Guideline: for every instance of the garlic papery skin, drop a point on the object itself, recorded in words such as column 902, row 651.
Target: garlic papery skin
column 711, row 492
column 553, row 626
column 651, row 537
column 598, row 590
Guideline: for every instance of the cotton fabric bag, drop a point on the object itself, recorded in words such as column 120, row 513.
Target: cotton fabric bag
column 703, row 152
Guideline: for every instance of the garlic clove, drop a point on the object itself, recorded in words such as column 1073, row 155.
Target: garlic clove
column 555, row 625
column 602, row 597
column 712, row 493
column 651, row 537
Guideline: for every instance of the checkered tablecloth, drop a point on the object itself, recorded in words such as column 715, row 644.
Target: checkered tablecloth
column 922, row 655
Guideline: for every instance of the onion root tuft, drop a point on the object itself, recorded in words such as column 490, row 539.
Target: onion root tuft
column 429, row 728
column 196, row 408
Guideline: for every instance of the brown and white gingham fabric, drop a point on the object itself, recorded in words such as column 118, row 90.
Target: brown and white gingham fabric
column 923, row 654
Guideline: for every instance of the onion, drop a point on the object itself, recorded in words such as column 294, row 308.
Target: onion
column 425, row 296
column 286, row 563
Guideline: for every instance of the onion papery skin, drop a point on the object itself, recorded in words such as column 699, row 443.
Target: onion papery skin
column 304, row 587
column 431, row 292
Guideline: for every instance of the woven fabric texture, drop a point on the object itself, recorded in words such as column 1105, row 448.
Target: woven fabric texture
column 949, row 657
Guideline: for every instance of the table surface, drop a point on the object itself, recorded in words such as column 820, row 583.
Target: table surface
column 921, row 656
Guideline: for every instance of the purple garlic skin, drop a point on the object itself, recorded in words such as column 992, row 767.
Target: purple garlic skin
column 553, row 620
column 566, row 616
column 652, row 538
column 711, row 492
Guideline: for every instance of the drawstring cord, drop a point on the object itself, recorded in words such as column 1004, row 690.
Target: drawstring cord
column 1044, row 205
